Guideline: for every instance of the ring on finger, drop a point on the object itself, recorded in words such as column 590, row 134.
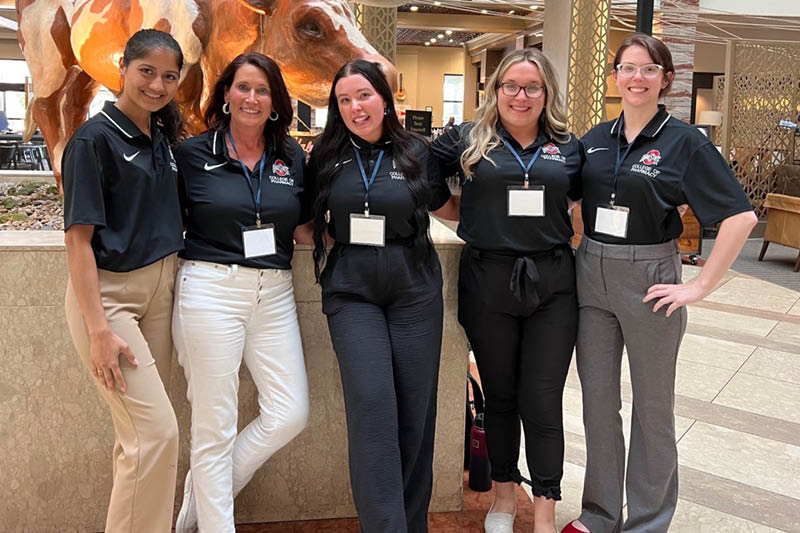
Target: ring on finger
column 100, row 372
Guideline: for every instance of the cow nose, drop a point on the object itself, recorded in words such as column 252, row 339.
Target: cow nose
column 388, row 70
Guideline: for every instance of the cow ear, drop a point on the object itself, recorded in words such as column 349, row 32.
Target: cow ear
column 262, row 7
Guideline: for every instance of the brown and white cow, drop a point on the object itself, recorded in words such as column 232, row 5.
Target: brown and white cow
column 73, row 46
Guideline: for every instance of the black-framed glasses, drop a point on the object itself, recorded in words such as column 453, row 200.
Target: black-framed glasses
column 512, row 89
column 629, row 70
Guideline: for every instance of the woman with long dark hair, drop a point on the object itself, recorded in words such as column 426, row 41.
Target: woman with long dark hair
column 382, row 294
column 517, row 299
column 639, row 170
column 123, row 227
column 245, row 195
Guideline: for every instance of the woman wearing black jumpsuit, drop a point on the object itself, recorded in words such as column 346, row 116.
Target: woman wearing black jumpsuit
column 516, row 290
column 382, row 294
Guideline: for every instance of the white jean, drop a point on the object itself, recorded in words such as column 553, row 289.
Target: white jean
column 223, row 314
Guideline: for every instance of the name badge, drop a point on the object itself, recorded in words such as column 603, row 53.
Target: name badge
column 369, row 230
column 612, row 220
column 258, row 242
column 524, row 202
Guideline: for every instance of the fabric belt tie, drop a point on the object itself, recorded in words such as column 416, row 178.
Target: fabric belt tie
column 525, row 267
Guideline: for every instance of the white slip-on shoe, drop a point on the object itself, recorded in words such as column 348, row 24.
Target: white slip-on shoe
column 187, row 516
column 499, row 522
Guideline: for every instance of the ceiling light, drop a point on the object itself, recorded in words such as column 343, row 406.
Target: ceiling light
column 484, row 11
column 451, row 40
column 427, row 43
column 433, row 39
column 440, row 36
column 413, row 8
column 449, row 32
column 534, row 8
column 437, row 3
column 511, row 12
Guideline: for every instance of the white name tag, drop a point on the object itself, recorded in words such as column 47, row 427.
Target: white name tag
column 259, row 242
column 612, row 220
column 524, row 202
column 368, row 230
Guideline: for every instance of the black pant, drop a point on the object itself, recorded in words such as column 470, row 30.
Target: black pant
column 521, row 318
column 385, row 316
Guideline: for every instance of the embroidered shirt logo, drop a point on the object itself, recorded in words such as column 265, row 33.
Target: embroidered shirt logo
column 129, row 158
column 395, row 175
column 651, row 158
column 212, row 167
column 646, row 165
column 552, row 153
column 594, row 149
column 280, row 168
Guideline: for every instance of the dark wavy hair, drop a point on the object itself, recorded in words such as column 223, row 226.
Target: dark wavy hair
column 142, row 43
column 276, row 132
column 335, row 141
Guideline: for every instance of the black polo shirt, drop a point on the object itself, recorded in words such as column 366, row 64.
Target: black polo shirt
column 670, row 163
column 218, row 201
column 125, row 184
column 484, row 221
column 389, row 195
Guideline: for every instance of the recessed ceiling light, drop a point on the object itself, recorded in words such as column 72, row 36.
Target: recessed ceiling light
column 534, row 7
column 449, row 32
column 511, row 12
column 437, row 3
column 440, row 36
column 451, row 40
column 413, row 8
column 433, row 39
column 427, row 43
column 484, row 11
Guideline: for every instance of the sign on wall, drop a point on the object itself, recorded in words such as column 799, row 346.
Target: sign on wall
column 419, row 122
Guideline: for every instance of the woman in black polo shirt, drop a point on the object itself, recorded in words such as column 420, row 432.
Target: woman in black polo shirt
column 245, row 189
column 516, row 287
column 123, row 227
column 382, row 294
column 638, row 170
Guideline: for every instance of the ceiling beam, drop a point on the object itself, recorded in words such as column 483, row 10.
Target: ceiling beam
column 471, row 23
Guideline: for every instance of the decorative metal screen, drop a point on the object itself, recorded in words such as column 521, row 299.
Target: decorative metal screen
column 586, row 84
column 719, row 105
column 762, row 87
column 379, row 26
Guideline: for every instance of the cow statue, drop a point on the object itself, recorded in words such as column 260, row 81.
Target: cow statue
column 74, row 46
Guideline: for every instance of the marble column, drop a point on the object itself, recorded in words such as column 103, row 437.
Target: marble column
column 678, row 33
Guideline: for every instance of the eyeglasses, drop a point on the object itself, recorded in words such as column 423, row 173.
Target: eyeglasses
column 629, row 70
column 513, row 89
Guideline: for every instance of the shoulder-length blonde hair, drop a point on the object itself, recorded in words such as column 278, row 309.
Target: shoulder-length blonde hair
column 483, row 136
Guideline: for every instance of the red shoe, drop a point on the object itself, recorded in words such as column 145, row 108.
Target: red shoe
column 569, row 528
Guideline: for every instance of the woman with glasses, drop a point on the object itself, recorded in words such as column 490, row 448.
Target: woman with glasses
column 638, row 170
column 516, row 292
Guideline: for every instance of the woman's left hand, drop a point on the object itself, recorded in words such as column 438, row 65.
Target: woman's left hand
column 674, row 295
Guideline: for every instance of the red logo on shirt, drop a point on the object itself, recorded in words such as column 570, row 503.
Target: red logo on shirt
column 550, row 148
column 651, row 158
column 280, row 168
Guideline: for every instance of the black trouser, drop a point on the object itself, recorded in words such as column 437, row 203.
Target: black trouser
column 385, row 315
column 521, row 318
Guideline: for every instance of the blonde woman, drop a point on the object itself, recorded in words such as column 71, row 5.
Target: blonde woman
column 517, row 299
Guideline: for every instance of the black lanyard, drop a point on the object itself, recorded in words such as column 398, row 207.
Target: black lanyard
column 620, row 160
column 249, row 177
column 368, row 183
column 527, row 168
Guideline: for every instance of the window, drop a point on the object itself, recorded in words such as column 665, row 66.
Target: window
column 13, row 74
column 453, row 102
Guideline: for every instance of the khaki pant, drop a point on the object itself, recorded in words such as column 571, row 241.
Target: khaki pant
column 138, row 305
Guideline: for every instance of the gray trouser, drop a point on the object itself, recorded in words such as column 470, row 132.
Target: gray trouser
column 612, row 281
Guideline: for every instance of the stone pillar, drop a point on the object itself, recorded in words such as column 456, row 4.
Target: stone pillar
column 679, row 38
column 576, row 41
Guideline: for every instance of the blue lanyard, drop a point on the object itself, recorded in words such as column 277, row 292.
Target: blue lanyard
column 620, row 160
column 527, row 168
column 249, row 177
column 368, row 183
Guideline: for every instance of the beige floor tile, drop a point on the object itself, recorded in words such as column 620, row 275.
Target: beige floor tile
column 714, row 352
column 569, row 508
column 690, row 272
column 795, row 310
column 774, row 364
column 786, row 332
column 742, row 457
column 692, row 379
column 731, row 321
column 755, row 294
column 694, row 518
column 765, row 396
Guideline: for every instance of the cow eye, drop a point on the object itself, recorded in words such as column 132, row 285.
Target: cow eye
column 311, row 29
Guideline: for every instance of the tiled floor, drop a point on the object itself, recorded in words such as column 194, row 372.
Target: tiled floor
column 737, row 417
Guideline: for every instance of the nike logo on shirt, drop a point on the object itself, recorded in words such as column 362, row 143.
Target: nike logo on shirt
column 212, row 167
column 593, row 150
column 129, row 158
